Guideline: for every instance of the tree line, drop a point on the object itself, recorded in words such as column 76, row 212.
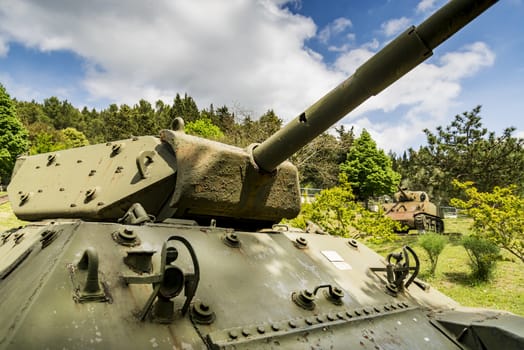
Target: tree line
column 463, row 150
column 54, row 124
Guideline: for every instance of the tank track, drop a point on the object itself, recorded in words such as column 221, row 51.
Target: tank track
column 428, row 222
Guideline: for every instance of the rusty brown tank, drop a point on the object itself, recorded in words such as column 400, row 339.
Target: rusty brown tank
column 414, row 211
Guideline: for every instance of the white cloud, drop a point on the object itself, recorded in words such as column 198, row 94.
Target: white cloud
column 247, row 54
column 349, row 44
column 350, row 61
column 467, row 62
column 425, row 6
column 338, row 26
column 351, row 36
column 395, row 26
column 250, row 51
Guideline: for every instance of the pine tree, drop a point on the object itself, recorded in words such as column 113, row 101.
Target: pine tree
column 368, row 169
column 466, row 151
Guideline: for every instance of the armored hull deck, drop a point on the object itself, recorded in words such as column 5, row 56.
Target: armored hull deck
column 245, row 290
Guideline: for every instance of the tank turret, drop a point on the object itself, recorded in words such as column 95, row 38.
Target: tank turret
column 414, row 211
column 172, row 176
column 153, row 242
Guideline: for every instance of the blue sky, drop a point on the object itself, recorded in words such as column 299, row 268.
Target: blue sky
column 258, row 55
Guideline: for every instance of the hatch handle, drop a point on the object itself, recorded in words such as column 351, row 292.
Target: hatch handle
column 143, row 161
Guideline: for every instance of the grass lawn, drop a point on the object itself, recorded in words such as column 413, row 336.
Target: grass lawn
column 7, row 218
column 505, row 291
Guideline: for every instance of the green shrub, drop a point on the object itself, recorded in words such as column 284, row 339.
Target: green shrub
column 433, row 244
column 336, row 211
column 483, row 256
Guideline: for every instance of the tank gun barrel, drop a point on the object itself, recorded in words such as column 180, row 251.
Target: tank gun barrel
column 396, row 59
column 402, row 193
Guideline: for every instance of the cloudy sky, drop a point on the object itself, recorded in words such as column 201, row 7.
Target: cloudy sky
column 255, row 55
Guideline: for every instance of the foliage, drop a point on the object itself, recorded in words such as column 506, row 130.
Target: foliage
column 369, row 170
column 31, row 112
column 345, row 139
column 62, row 113
column 74, row 138
column 8, row 220
column 336, row 211
column 256, row 131
column 483, row 256
column 224, row 119
column 466, row 151
column 433, row 244
column 204, row 127
column 319, row 161
column 143, row 120
column 268, row 124
column 185, row 108
column 44, row 138
column 498, row 216
column 95, row 126
column 13, row 136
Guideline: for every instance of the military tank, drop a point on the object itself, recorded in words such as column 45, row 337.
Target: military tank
column 173, row 242
column 413, row 210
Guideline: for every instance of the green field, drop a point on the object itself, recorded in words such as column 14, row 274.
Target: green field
column 7, row 218
column 452, row 277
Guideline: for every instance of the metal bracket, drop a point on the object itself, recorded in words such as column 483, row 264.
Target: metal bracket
column 143, row 161
column 92, row 290
column 169, row 282
column 135, row 215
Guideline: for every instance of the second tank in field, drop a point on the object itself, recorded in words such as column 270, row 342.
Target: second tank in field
column 414, row 211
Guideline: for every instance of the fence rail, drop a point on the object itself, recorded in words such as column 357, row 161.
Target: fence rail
column 307, row 194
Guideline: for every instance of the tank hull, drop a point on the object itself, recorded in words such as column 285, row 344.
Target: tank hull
column 248, row 288
column 420, row 221
column 414, row 211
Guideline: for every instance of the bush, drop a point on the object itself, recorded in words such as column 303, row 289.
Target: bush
column 433, row 244
column 335, row 210
column 497, row 216
column 204, row 127
column 483, row 255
